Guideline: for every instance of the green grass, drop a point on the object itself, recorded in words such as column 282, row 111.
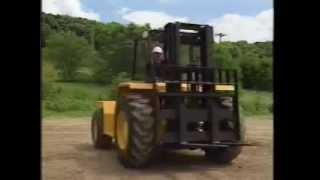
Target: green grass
column 255, row 103
column 78, row 100
column 259, row 117
column 73, row 99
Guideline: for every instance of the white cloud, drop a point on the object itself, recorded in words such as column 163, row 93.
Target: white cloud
column 68, row 7
column 155, row 18
column 249, row 28
column 123, row 10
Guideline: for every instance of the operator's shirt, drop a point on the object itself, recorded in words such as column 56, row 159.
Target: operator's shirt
column 157, row 71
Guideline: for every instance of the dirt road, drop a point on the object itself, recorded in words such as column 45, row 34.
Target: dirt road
column 67, row 153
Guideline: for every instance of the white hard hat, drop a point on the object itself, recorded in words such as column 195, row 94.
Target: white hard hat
column 157, row 49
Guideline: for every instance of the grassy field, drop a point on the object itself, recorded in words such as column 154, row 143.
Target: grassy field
column 78, row 100
column 255, row 103
column 73, row 99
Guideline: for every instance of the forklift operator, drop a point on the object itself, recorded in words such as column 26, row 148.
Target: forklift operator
column 157, row 55
column 156, row 60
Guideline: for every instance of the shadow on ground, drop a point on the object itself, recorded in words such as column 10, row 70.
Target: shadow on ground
column 106, row 162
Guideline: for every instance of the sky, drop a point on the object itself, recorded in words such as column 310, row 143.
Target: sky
column 250, row 20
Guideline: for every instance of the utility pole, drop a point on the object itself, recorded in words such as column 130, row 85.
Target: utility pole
column 220, row 35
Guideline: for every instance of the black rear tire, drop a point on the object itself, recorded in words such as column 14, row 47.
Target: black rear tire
column 139, row 113
column 223, row 155
column 100, row 140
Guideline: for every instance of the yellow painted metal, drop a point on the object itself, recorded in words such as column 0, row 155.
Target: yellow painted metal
column 122, row 131
column 131, row 85
column 184, row 87
column 187, row 87
column 224, row 88
column 109, row 108
column 161, row 87
column 138, row 87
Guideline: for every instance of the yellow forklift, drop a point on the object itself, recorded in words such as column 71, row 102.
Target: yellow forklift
column 178, row 106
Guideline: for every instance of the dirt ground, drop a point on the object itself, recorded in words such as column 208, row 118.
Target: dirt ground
column 67, row 153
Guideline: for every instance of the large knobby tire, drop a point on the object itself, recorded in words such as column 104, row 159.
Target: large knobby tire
column 137, row 111
column 223, row 155
column 100, row 140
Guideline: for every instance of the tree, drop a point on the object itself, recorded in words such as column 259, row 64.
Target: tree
column 265, row 74
column 49, row 75
column 68, row 52
column 256, row 73
column 111, row 51
column 45, row 32
column 223, row 56
column 114, row 43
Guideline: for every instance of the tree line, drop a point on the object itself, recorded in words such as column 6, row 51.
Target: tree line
column 77, row 49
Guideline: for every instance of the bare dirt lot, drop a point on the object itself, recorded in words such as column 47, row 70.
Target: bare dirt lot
column 67, row 153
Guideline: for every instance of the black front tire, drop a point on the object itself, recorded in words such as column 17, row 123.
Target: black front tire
column 139, row 111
